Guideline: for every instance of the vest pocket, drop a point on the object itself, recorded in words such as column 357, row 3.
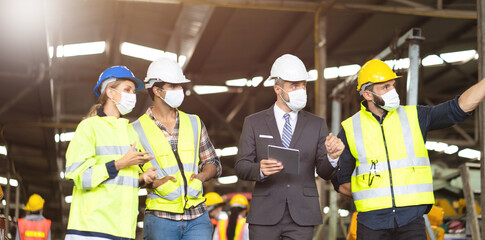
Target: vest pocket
column 168, row 187
column 195, row 188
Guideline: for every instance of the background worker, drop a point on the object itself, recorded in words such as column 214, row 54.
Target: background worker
column 34, row 225
column 103, row 163
column 185, row 159
column 286, row 205
column 385, row 165
column 214, row 203
column 234, row 228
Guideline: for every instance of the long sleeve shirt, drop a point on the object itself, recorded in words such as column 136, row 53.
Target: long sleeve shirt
column 430, row 118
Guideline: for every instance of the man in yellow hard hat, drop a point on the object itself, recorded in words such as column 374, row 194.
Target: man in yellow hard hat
column 234, row 228
column 214, row 203
column 34, row 225
column 385, row 165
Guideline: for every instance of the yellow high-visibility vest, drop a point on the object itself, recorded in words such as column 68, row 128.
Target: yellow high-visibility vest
column 238, row 232
column 101, row 206
column 396, row 146
column 184, row 193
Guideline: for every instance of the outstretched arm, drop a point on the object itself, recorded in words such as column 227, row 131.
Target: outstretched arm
column 473, row 96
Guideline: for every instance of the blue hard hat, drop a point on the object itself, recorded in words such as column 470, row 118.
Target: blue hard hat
column 117, row 72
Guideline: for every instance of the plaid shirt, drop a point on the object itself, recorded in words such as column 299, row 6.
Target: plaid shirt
column 207, row 155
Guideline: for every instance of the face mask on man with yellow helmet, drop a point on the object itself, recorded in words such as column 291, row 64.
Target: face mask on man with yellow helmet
column 375, row 72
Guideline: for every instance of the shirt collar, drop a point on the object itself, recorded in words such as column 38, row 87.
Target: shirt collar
column 279, row 113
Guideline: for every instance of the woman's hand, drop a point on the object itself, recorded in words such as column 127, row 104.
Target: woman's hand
column 132, row 157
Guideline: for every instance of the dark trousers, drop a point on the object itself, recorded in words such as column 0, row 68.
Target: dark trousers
column 285, row 229
column 415, row 230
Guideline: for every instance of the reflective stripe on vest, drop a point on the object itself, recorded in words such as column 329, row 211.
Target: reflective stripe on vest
column 369, row 195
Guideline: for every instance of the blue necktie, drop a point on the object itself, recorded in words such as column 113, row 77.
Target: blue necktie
column 286, row 138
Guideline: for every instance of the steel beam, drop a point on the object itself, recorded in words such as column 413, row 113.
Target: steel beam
column 481, row 75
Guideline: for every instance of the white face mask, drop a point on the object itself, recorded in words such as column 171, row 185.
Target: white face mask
column 297, row 101
column 174, row 98
column 391, row 100
column 127, row 102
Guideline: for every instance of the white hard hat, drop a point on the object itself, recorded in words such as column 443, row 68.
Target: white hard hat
column 289, row 68
column 164, row 70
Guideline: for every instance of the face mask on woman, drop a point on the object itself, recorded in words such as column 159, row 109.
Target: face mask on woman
column 127, row 102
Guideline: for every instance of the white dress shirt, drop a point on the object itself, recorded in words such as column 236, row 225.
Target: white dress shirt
column 280, row 122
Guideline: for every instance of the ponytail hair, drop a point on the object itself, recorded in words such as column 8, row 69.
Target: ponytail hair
column 231, row 225
column 102, row 99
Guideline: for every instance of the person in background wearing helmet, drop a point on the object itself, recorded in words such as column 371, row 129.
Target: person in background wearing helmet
column 283, row 204
column 34, row 225
column 185, row 158
column 236, row 227
column 385, row 165
column 214, row 203
column 103, row 163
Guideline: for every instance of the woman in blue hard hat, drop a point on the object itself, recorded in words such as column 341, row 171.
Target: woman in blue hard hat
column 103, row 163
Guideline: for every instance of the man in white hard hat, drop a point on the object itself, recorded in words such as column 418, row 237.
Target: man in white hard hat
column 284, row 204
column 184, row 159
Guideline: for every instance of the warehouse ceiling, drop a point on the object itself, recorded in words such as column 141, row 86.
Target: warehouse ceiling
column 47, row 92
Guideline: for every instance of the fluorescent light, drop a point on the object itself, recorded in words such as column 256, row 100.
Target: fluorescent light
column 257, row 80
column 79, row 49
column 451, row 149
column 139, row 224
column 460, row 56
column 432, row 60
column 331, row 72
column 227, row 180
column 68, row 199
column 343, row 212
column 229, row 151
column 313, row 75
column 142, row 192
column 138, row 51
column 470, row 153
column 62, row 175
column 348, row 70
column 209, row 89
column 3, row 150
column 240, row 82
column 64, row 137
column 14, row 182
column 269, row 83
column 440, row 147
column 51, row 51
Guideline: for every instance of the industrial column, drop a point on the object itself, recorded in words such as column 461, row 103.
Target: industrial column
column 481, row 69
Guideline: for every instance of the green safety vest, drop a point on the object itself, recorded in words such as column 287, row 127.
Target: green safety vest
column 101, row 207
column 392, row 166
column 183, row 194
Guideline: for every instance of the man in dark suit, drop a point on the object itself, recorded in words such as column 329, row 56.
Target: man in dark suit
column 283, row 204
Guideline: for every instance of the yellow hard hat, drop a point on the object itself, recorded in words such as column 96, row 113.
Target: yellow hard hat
column 213, row 199
column 35, row 203
column 375, row 71
column 239, row 200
